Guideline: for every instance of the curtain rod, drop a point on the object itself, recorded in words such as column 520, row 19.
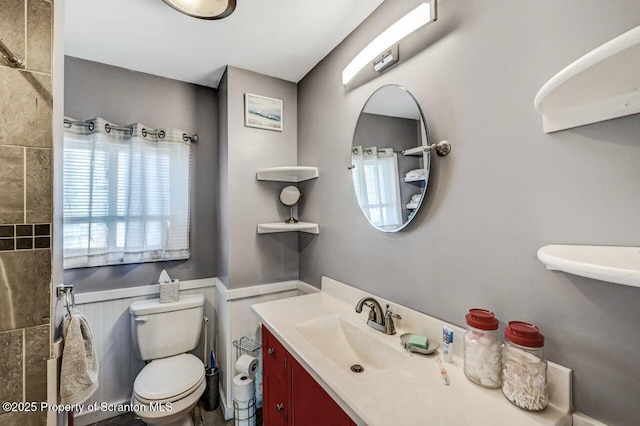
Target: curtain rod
column 90, row 125
column 13, row 60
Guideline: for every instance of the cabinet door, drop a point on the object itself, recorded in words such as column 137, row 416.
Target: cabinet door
column 310, row 404
column 274, row 356
column 274, row 402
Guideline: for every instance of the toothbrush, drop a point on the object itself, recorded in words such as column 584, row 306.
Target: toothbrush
column 443, row 372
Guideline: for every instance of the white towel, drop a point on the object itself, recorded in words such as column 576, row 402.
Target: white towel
column 417, row 173
column 79, row 374
column 416, row 198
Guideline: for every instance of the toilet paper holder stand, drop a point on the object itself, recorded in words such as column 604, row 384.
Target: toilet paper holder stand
column 245, row 413
column 247, row 346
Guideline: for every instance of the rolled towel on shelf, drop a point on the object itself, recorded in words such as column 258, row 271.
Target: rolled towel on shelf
column 79, row 372
column 416, row 198
column 416, row 173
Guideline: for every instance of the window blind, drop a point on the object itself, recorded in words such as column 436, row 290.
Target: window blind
column 126, row 195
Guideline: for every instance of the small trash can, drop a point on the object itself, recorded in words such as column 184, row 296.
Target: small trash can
column 211, row 395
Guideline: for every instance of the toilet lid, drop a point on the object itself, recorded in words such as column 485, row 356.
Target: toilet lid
column 167, row 377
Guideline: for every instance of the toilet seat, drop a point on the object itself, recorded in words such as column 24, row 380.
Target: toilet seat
column 175, row 398
column 179, row 408
column 169, row 379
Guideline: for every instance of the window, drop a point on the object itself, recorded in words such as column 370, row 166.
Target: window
column 126, row 196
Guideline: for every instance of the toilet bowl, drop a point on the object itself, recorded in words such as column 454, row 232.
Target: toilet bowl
column 167, row 389
column 170, row 385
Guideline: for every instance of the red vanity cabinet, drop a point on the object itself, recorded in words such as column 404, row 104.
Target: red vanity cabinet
column 290, row 395
column 274, row 391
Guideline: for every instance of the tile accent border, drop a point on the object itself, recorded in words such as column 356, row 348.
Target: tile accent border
column 25, row 237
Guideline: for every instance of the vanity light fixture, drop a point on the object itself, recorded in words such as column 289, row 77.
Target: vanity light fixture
column 381, row 50
column 388, row 58
column 204, row 9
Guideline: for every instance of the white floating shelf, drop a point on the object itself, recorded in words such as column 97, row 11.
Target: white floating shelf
column 619, row 265
column 601, row 85
column 418, row 151
column 412, row 206
column 292, row 174
column 271, row 228
column 422, row 178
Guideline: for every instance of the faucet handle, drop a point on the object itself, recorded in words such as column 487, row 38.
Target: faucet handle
column 390, row 314
column 372, row 311
column 390, row 327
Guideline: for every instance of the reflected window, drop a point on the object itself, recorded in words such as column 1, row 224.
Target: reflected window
column 375, row 179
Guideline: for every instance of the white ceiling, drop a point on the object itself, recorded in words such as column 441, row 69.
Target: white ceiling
column 392, row 101
column 279, row 38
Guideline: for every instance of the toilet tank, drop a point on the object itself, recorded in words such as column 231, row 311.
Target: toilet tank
column 160, row 330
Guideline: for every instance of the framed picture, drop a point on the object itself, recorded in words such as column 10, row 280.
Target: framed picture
column 262, row 112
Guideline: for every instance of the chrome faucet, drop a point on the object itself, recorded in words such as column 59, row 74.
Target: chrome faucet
column 376, row 319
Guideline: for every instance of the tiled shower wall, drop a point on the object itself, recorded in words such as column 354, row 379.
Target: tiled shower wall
column 25, row 199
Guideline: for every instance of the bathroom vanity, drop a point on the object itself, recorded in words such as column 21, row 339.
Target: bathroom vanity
column 311, row 342
column 291, row 394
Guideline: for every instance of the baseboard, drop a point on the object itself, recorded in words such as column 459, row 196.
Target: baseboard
column 262, row 289
column 227, row 412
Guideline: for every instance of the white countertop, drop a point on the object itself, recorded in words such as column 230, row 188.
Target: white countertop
column 411, row 393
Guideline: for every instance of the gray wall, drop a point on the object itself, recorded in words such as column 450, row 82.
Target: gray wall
column 124, row 96
column 506, row 189
column 249, row 258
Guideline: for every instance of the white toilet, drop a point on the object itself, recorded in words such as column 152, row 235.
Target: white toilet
column 171, row 384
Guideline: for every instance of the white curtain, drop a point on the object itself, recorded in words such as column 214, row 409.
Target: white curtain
column 377, row 186
column 126, row 194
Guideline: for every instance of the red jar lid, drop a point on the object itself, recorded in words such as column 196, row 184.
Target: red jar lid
column 524, row 334
column 482, row 319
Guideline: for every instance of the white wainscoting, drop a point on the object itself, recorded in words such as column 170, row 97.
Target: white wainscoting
column 229, row 313
column 235, row 320
column 108, row 315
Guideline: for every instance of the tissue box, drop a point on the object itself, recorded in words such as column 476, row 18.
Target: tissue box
column 169, row 292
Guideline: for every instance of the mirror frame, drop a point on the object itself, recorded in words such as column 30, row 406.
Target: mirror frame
column 426, row 158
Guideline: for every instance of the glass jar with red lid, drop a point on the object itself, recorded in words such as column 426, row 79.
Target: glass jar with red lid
column 482, row 348
column 524, row 370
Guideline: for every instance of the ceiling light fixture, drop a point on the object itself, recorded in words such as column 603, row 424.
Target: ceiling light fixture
column 204, row 9
column 417, row 18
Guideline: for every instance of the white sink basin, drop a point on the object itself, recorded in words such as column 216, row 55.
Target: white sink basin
column 346, row 344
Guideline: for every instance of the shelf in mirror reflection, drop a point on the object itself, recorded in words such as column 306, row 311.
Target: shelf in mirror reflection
column 415, row 179
column 271, row 228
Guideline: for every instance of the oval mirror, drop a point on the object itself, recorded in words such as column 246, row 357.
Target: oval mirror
column 389, row 168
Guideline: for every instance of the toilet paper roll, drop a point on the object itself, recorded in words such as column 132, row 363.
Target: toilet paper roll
column 243, row 388
column 247, row 364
